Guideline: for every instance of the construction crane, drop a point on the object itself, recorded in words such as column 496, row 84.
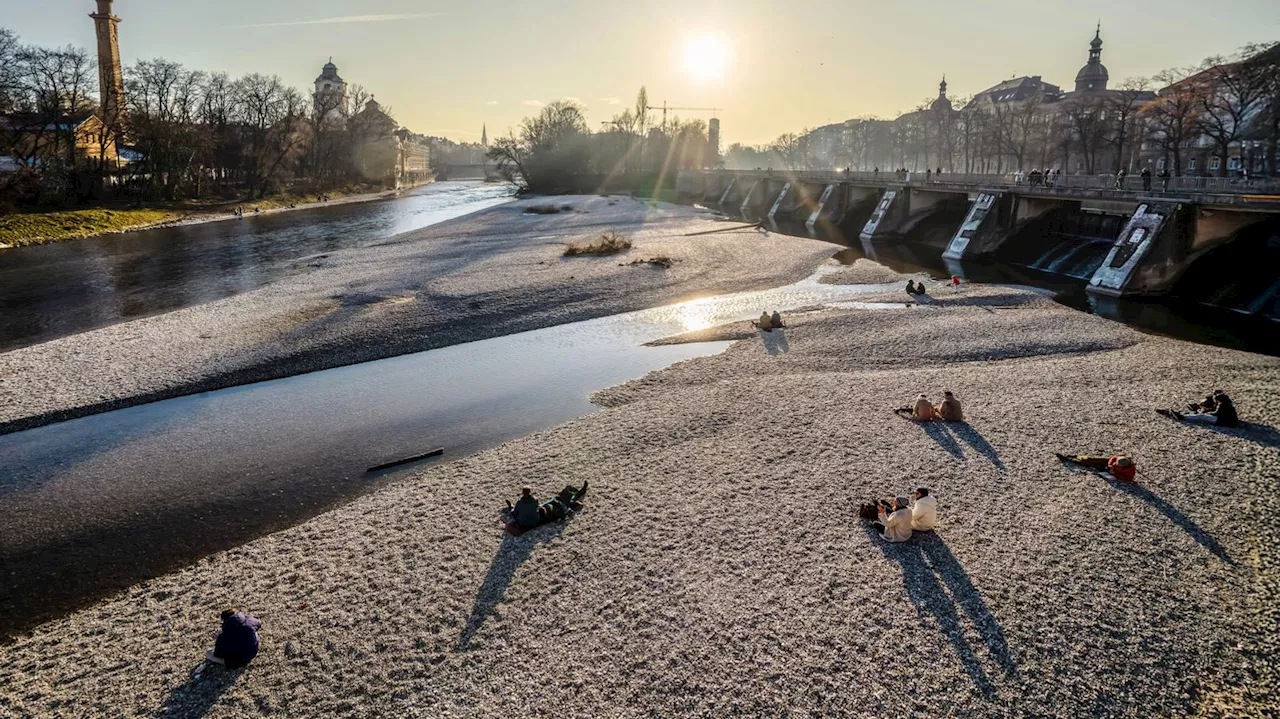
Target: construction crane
column 664, row 108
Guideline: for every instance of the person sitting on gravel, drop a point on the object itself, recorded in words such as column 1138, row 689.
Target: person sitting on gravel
column 895, row 520
column 765, row 322
column 237, row 643
column 1217, row 409
column 923, row 410
column 775, row 320
column 949, row 410
column 527, row 513
column 1119, row 466
column 911, row 287
column 924, row 513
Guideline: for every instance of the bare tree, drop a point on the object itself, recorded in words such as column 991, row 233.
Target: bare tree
column 1228, row 93
column 1122, row 107
column 1173, row 114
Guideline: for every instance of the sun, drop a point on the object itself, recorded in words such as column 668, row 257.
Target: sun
column 706, row 57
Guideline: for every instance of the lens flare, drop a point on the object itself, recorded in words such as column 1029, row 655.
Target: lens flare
column 706, row 57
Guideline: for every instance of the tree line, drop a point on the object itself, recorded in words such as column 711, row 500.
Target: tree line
column 556, row 151
column 185, row 134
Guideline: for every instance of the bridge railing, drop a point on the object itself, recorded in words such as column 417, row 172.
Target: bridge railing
column 1101, row 184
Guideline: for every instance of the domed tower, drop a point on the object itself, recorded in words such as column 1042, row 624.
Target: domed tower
column 942, row 104
column 331, row 94
column 1093, row 76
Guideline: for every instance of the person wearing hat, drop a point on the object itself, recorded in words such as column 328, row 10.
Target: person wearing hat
column 923, row 410
column 1119, row 466
column 237, row 643
column 895, row 520
column 525, row 514
column 924, row 513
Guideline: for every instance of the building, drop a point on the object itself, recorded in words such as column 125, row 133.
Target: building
column 332, row 103
column 110, row 73
column 383, row 152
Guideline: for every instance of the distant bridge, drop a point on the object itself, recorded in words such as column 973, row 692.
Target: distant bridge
column 1165, row 229
column 469, row 172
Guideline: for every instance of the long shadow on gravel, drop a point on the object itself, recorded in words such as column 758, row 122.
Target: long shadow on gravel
column 198, row 695
column 513, row 552
column 974, row 439
column 1173, row 514
column 939, row 434
column 937, row 584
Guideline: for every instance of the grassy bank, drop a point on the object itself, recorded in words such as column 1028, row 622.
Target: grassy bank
column 19, row 229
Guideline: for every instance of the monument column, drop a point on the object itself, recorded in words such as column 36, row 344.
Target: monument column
column 110, row 74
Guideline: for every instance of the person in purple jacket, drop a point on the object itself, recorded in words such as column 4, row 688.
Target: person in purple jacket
column 237, row 643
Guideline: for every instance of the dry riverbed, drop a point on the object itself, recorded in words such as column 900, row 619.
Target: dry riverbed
column 719, row 569
column 491, row 273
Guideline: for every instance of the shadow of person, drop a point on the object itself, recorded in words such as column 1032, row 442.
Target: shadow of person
column 930, row 598
column 775, row 341
column 974, row 439
column 1173, row 514
column 939, row 434
column 963, row 592
column 1256, row 433
column 207, row 683
column 513, row 552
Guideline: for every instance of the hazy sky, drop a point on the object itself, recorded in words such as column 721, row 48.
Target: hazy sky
column 773, row 66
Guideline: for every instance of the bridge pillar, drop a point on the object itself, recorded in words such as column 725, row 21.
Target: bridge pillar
column 724, row 197
column 982, row 228
column 888, row 211
column 822, row 202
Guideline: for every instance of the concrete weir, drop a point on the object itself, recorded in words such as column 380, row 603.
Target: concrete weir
column 1163, row 235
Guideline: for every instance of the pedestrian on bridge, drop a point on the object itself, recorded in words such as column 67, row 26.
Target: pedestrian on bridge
column 1164, row 179
column 1146, row 179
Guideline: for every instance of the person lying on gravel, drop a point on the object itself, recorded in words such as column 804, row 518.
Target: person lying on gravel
column 765, row 322
column 895, row 520
column 924, row 513
column 923, row 410
column 237, row 643
column 950, row 410
column 1120, row 466
column 1217, row 409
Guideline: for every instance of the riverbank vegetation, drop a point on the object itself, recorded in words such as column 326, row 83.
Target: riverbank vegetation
column 18, row 229
column 190, row 135
column 555, row 152
column 610, row 242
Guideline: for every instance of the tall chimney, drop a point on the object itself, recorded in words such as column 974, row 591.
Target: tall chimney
column 110, row 74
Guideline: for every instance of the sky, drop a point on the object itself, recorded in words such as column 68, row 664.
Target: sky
column 767, row 66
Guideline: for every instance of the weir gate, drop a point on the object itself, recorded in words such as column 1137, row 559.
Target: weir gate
column 1164, row 229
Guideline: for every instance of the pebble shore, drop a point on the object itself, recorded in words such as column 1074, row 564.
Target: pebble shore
column 720, row 568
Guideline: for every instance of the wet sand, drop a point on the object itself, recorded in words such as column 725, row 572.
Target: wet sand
column 719, row 568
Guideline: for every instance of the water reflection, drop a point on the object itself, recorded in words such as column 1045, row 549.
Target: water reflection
column 54, row 290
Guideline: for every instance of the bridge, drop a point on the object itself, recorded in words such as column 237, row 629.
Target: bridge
column 967, row 216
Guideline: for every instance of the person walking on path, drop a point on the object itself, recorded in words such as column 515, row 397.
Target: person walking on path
column 1146, row 179
column 1120, row 177
column 237, row 643
column 1164, row 179
column 955, row 283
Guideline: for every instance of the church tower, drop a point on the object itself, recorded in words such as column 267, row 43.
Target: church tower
column 331, row 100
column 110, row 74
column 484, row 135
column 1093, row 76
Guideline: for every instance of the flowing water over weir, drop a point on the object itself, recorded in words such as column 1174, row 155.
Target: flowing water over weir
column 98, row 503
column 54, row 290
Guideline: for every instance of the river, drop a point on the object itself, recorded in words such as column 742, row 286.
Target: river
column 59, row 289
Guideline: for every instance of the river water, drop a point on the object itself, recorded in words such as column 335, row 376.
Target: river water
column 59, row 289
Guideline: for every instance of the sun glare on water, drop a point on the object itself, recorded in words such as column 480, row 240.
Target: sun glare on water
column 706, row 57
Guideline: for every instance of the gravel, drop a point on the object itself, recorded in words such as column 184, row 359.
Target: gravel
column 720, row 569
column 492, row 273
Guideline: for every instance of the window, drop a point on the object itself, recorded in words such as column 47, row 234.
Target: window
column 1160, row 164
column 1215, row 163
column 1233, row 163
column 1191, row 164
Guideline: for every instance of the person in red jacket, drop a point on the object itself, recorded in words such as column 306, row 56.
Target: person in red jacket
column 1120, row 466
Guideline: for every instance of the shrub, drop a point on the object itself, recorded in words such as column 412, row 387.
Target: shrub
column 608, row 243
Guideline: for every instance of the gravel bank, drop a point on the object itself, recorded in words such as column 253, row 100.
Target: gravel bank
column 492, row 273
column 718, row 570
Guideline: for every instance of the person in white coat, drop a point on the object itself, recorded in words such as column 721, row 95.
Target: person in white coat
column 924, row 513
column 895, row 523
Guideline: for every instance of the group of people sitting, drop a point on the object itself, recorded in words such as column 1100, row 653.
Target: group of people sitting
column 916, row 290
column 529, row 512
column 897, row 518
column 768, row 322
column 925, row 411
